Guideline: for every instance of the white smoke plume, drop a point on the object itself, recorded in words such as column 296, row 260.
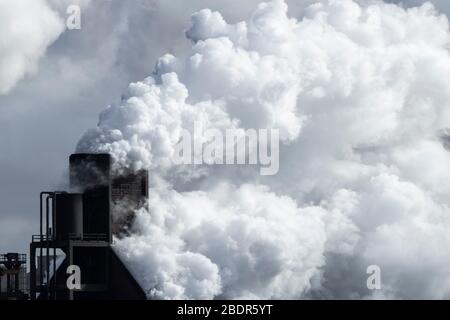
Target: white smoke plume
column 360, row 94
column 27, row 28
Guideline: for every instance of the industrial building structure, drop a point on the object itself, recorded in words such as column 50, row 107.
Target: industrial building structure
column 77, row 229
column 13, row 276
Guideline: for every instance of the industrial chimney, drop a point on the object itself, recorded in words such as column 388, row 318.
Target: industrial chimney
column 77, row 229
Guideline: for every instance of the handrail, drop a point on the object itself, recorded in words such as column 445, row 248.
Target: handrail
column 86, row 237
column 22, row 258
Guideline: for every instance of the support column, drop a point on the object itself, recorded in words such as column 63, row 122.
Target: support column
column 32, row 272
column 16, row 281
column 8, row 283
column 70, row 263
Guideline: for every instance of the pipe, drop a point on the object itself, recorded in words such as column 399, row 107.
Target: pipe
column 54, row 247
column 41, row 274
column 47, row 236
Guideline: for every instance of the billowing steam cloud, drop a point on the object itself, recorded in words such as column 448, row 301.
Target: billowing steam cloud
column 27, row 28
column 360, row 95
